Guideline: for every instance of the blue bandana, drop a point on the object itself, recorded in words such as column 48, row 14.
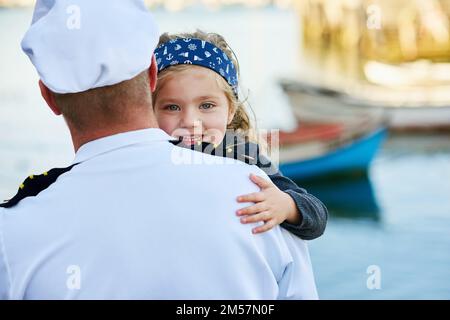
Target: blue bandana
column 197, row 52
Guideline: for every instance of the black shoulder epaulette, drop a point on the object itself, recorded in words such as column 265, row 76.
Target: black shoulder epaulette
column 35, row 184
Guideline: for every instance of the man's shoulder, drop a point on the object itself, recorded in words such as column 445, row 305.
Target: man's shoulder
column 215, row 164
column 33, row 186
column 221, row 178
column 234, row 174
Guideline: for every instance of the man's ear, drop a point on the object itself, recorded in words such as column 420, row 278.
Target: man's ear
column 153, row 74
column 49, row 98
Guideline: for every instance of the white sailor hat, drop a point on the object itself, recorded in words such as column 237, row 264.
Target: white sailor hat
column 80, row 45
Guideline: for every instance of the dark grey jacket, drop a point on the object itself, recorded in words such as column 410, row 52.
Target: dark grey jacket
column 313, row 213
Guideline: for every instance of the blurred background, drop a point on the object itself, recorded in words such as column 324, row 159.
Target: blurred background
column 360, row 91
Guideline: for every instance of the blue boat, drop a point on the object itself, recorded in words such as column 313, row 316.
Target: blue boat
column 353, row 156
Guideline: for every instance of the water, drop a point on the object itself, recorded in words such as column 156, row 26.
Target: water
column 396, row 218
column 402, row 225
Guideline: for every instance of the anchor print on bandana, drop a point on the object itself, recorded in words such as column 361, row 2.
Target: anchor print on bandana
column 197, row 52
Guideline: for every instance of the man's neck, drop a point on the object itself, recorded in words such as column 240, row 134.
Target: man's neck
column 80, row 138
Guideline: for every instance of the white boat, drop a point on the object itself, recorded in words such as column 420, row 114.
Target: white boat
column 404, row 108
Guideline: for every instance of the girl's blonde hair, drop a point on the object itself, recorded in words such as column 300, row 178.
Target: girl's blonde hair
column 241, row 121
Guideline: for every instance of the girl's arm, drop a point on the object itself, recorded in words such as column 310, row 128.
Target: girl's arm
column 313, row 213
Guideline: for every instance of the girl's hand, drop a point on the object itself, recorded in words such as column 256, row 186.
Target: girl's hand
column 272, row 206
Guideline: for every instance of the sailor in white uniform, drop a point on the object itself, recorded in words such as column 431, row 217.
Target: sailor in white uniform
column 133, row 217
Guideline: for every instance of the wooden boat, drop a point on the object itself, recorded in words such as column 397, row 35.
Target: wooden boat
column 319, row 149
column 407, row 109
column 329, row 139
column 352, row 156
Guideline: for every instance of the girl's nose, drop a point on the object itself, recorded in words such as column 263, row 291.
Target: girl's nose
column 191, row 119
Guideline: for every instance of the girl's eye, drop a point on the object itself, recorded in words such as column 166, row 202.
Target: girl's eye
column 172, row 107
column 207, row 106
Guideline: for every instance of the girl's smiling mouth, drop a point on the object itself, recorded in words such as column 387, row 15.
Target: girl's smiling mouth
column 192, row 139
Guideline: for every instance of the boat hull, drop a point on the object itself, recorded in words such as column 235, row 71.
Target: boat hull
column 354, row 156
column 316, row 103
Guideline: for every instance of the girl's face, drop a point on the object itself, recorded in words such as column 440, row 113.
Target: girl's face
column 190, row 104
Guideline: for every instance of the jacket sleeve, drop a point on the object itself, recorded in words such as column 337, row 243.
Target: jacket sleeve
column 313, row 213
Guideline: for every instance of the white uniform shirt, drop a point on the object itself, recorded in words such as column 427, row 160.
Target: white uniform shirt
column 133, row 220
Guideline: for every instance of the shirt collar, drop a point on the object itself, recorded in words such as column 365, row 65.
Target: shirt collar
column 99, row 146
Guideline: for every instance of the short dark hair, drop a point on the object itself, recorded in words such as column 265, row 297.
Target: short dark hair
column 108, row 104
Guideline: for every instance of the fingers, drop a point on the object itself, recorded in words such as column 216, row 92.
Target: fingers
column 256, row 196
column 256, row 208
column 252, row 197
column 265, row 227
column 260, row 182
column 261, row 216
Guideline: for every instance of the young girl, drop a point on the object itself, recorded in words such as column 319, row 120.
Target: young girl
column 197, row 100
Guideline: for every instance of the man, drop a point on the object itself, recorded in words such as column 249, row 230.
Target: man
column 128, row 219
